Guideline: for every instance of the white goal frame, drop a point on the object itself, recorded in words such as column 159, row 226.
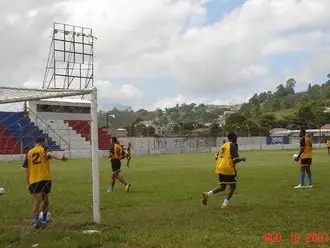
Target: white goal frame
column 15, row 95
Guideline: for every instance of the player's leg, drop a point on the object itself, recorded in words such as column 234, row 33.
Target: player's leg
column 37, row 199
column 309, row 174
column 206, row 195
column 302, row 175
column 230, row 195
column 128, row 161
column 222, row 187
column 115, row 170
column 45, row 200
column 112, row 182
column 121, row 179
column 231, row 180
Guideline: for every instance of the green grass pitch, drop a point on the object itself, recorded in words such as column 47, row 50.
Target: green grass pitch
column 163, row 208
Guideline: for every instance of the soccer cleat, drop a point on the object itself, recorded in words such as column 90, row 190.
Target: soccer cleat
column 37, row 225
column 299, row 186
column 309, row 186
column 224, row 205
column 127, row 187
column 205, row 198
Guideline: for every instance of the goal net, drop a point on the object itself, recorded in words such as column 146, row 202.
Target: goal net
column 69, row 126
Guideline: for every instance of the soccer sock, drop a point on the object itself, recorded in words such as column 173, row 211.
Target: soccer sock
column 302, row 178
column 210, row 193
column 226, row 201
column 309, row 176
column 113, row 184
column 44, row 216
column 216, row 190
column 36, row 219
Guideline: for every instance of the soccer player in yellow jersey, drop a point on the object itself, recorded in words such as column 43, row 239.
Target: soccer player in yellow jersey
column 128, row 154
column 116, row 155
column 305, row 157
column 227, row 158
column 328, row 145
column 39, row 179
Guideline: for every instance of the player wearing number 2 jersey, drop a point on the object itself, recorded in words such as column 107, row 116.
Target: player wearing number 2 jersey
column 39, row 179
column 227, row 158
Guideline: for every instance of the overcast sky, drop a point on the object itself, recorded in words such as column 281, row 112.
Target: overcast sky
column 156, row 53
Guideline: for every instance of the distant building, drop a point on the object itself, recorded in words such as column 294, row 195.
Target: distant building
column 326, row 126
column 120, row 132
column 146, row 123
column 276, row 130
column 222, row 118
column 162, row 130
column 317, row 135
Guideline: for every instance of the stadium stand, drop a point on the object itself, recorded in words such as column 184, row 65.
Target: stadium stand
column 83, row 128
column 8, row 144
column 65, row 124
column 20, row 127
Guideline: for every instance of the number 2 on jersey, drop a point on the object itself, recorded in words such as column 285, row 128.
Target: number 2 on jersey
column 222, row 152
column 36, row 158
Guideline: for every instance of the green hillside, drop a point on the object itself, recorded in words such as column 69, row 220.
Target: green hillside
column 287, row 109
column 282, row 108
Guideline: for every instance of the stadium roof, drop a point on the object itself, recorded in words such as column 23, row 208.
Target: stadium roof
column 67, row 100
column 290, row 132
column 11, row 95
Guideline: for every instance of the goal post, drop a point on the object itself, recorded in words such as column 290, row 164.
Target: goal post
column 10, row 95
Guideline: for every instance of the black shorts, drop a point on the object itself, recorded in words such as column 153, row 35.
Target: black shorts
column 115, row 165
column 41, row 187
column 227, row 179
column 306, row 161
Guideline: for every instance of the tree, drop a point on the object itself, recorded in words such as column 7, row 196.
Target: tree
column 235, row 122
column 280, row 91
column 290, row 84
column 304, row 117
column 309, row 89
column 137, row 120
column 215, row 130
column 267, row 122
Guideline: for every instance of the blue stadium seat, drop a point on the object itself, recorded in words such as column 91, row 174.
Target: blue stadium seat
column 21, row 128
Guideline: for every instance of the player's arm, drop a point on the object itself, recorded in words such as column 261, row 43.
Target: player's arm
column 235, row 156
column 216, row 156
column 111, row 152
column 302, row 148
column 119, row 151
column 50, row 155
column 27, row 171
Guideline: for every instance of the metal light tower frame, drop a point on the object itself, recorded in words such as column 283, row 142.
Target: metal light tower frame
column 71, row 58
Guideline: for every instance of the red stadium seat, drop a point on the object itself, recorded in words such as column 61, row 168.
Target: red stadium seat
column 8, row 144
column 83, row 128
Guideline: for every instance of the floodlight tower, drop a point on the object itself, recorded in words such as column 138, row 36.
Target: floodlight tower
column 71, row 58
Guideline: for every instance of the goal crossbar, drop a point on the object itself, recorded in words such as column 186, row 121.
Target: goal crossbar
column 15, row 95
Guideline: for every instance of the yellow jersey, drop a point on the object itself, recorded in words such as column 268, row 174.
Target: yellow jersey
column 225, row 160
column 37, row 164
column 328, row 142
column 306, row 144
column 116, row 151
column 128, row 151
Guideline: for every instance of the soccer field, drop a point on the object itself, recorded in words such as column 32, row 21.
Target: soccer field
column 163, row 208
